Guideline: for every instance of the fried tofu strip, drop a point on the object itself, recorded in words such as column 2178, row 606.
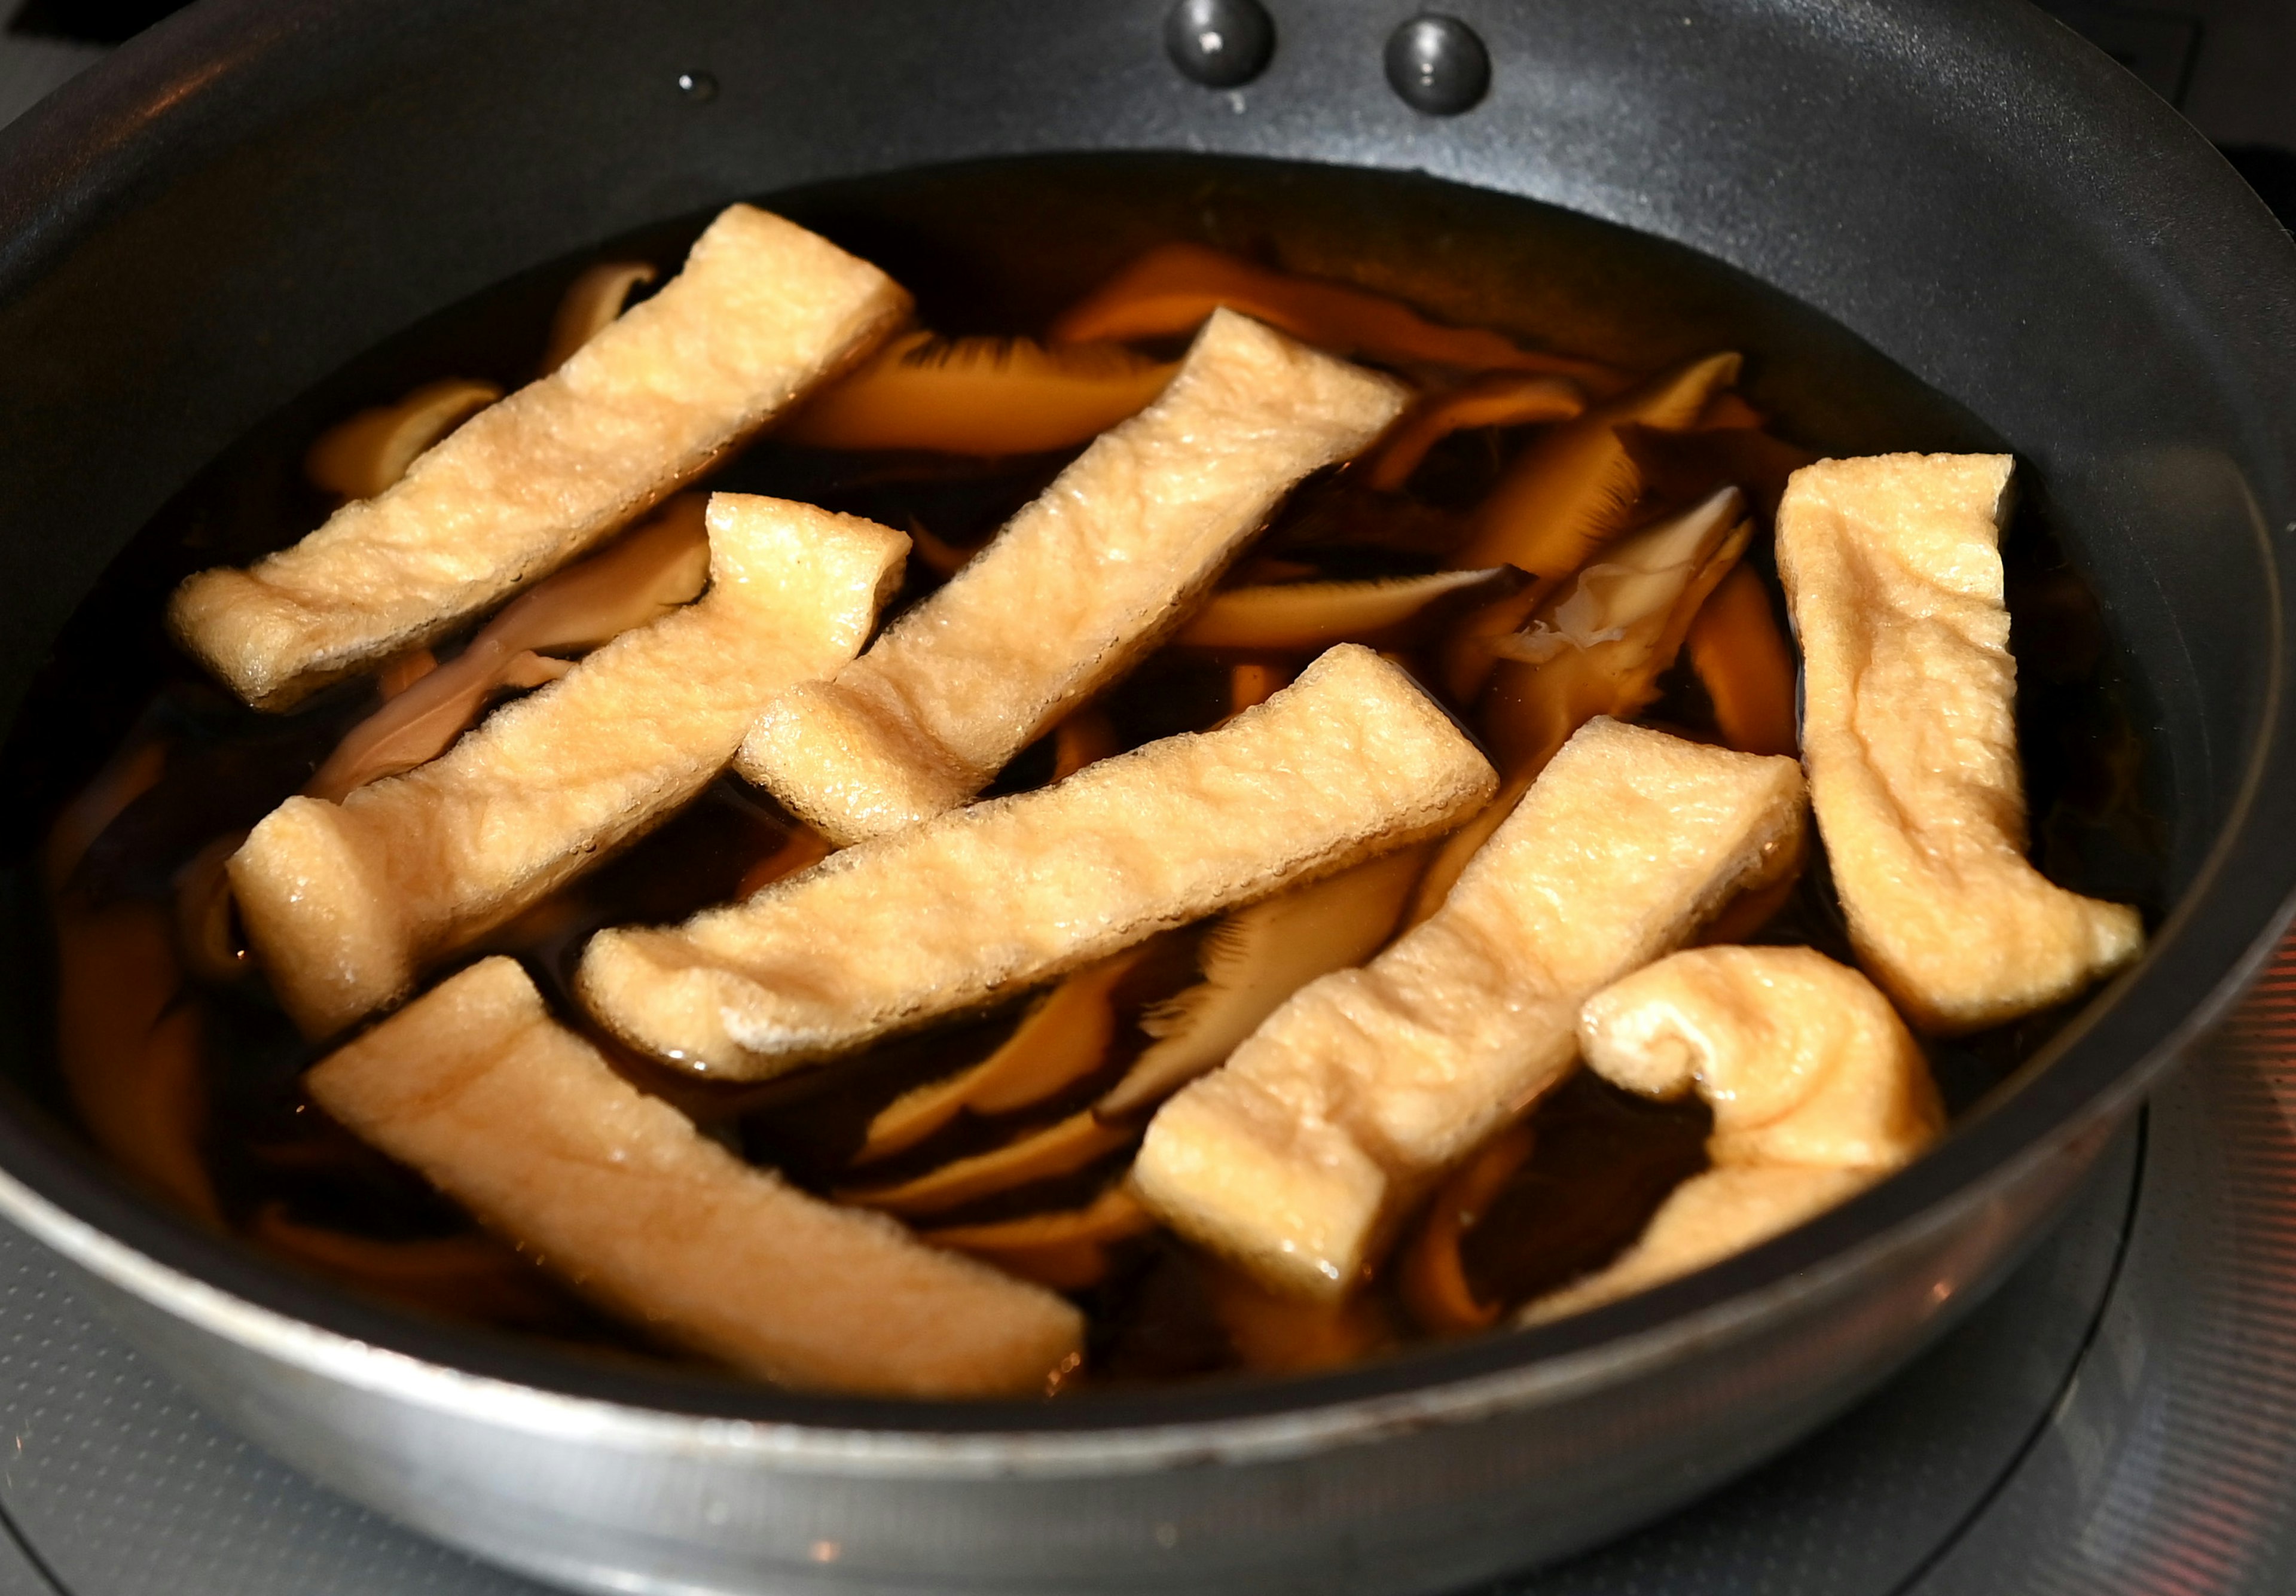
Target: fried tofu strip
column 1081, row 583
column 1909, row 734
column 1817, row 1089
column 1300, row 1154
column 1350, row 761
column 346, row 902
column 525, row 1124
column 763, row 312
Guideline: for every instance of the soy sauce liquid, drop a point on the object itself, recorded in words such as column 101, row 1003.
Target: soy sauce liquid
column 999, row 248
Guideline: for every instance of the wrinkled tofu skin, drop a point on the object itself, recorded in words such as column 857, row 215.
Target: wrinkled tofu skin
column 1079, row 585
column 1351, row 759
column 763, row 312
column 526, row 1125
column 1817, row 1089
column 1891, row 567
column 1298, row 1156
column 346, row 902
column 1801, row 1059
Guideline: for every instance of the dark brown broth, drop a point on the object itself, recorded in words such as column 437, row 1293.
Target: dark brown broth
column 998, row 249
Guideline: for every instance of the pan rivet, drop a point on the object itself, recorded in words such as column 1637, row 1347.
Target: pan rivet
column 697, row 86
column 1437, row 64
column 1220, row 43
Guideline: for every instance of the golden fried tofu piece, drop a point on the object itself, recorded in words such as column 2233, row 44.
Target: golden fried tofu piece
column 1708, row 1218
column 1298, row 1157
column 763, row 312
column 1817, row 1089
column 1081, row 583
column 346, row 902
column 1802, row 1060
column 1351, row 759
column 1910, row 734
column 525, row 1124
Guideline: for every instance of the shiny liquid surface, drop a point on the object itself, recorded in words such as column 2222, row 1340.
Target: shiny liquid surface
column 221, row 1126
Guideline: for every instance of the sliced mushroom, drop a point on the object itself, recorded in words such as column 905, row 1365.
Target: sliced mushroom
column 526, row 1125
column 943, row 558
column 129, row 774
column 1679, row 464
column 1432, row 1275
column 403, row 671
column 417, row 727
column 1112, row 1215
column 1061, row 1040
column 1571, row 492
column 1601, row 646
column 1171, row 289
column 1597, row 648
column 1085, row 739
column 592, row 303
column 1741, row 660
column 637, row 580
column 1351, row 761
column 1057, row 1149
column 980, row 396
column 802, row 849
column 1817, row 1090
column 1254, row 959
column 363, row 455
column 1311, row 616
column 1892, row 568
column 1084, row 581
column 206, row 932
column 1501, row 399
column 1067, row 1250
column 127, row 1044
column 529, row 484
column 1730, row 411
column 127, row 1040
column 1298, row 1157
column 473, row 1275
column 345, row 903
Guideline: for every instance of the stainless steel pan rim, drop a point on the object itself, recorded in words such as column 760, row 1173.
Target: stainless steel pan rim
column 223, row 69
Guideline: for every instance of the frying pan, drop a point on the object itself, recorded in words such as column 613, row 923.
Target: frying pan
column 251, row 194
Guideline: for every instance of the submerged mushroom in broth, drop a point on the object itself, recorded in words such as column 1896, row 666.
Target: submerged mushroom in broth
column 1567, row 520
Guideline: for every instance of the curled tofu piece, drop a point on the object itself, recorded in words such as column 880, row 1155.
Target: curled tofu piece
column 1817, row 1089
column 525, row 1124
column 1298, row 1155
column 1350, row 761
column 1909, row 734
column 346, row 902
column 1084, row 581
column 763, row 312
